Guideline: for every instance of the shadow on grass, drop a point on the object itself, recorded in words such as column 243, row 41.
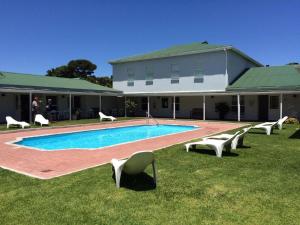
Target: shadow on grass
column 212, row 152
column 262, row 133
column 139, row 182
column 295, row 135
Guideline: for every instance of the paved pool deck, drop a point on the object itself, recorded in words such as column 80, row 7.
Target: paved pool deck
column 50, row 164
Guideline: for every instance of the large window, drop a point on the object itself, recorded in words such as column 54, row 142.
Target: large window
column 174, row 74
column 164, row 103
column 274, row 102
column 234, row 104
column 130, row 77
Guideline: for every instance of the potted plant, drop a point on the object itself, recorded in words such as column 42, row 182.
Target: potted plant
column 222, row 108
column 130, row 107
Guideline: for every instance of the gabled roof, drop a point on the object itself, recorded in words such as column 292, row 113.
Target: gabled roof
column 179, row 50
column 10, row 80
column 268, row 79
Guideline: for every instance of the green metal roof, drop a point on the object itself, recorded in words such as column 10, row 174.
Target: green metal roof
column 37, row 82
column 179, row 50
column 268, row 79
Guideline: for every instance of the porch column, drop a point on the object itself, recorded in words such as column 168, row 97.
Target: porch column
column 30, row 107
column 148, row 106
column 203, row 107
column 125, row 108
column 239, row 107
column 100, row 103
column 70, row 106
column 280, row 105
column 174, row 110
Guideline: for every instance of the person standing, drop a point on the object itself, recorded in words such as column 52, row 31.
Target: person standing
column 35, row 106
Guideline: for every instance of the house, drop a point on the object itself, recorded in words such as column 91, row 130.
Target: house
column 68, row 95
column 189, row 81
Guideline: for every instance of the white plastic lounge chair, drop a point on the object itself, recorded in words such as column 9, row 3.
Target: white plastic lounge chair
column 104, row 117
column 269, row 126
column 236, row 142
column 41, row 120
column 12, row 122
column 135, row 164
column 218, row 145
column 278, row 123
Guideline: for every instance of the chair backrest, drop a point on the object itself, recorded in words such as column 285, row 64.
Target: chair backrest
column 230, row 139
column 138, row 162
column 101, row 114
column 245, row 130
column 9, row 119
column 39, row 117
column 281, row 121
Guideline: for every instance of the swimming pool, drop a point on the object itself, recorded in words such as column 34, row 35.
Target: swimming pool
column 95, row 139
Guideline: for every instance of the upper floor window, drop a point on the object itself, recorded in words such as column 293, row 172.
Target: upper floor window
column 149, row 76
column 174, row 74
column 130, row 77
column 198, row 76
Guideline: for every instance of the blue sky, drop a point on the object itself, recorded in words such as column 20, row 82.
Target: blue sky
column 37, row 35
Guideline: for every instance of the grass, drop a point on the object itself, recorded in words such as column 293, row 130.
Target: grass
column 256, row 184
column 66, row 123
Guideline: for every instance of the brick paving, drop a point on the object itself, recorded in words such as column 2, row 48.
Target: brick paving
column 50, row 164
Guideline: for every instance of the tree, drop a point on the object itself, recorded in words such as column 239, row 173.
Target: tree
column 293, row 63
column 80, row 68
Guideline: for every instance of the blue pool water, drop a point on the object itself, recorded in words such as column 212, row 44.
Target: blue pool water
column 101, row 138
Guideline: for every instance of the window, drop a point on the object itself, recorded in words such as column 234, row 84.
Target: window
column 234, row 104
column 274, row 102
column 144, row 104
column 164, row 103
column 177, row 103
column 174, row 74
column 149, row 75
column 198, row 76
column 130, row 77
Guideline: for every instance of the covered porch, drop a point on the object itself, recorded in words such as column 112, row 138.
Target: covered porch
column 259, row 106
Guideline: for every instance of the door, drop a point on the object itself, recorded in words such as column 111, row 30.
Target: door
column 25, row 107
column 263, row 107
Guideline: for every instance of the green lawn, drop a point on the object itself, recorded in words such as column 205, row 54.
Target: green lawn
column 68, row 122
column 257, row 184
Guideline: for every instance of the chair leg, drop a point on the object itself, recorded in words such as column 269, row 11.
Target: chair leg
column 218, row 150
column 187, row 147
column 118, row 173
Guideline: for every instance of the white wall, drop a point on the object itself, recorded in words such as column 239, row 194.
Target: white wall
column 8, row 106
column 212, row 64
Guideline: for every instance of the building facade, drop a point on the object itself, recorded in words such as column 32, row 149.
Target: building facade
column 191, row 81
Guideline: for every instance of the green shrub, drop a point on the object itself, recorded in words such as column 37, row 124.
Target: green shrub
column 292, row 120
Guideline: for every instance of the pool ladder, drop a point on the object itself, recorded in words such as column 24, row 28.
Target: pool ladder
column 148, row 115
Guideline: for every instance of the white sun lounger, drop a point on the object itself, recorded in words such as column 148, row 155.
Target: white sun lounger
column 218, row 145
column 268, row 126
column 135, row 164
column 236, row 142
column 41, row 120
column 12, row 122
column 104, row 117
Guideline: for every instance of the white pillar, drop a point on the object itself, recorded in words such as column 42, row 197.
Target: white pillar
column 148, row 106
column 174, row 105
column 100, row 103
column 30, row 107
column 280, row 105
column 70, row 106
column 125, row 108
column 239, row 107
column 203, row 107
